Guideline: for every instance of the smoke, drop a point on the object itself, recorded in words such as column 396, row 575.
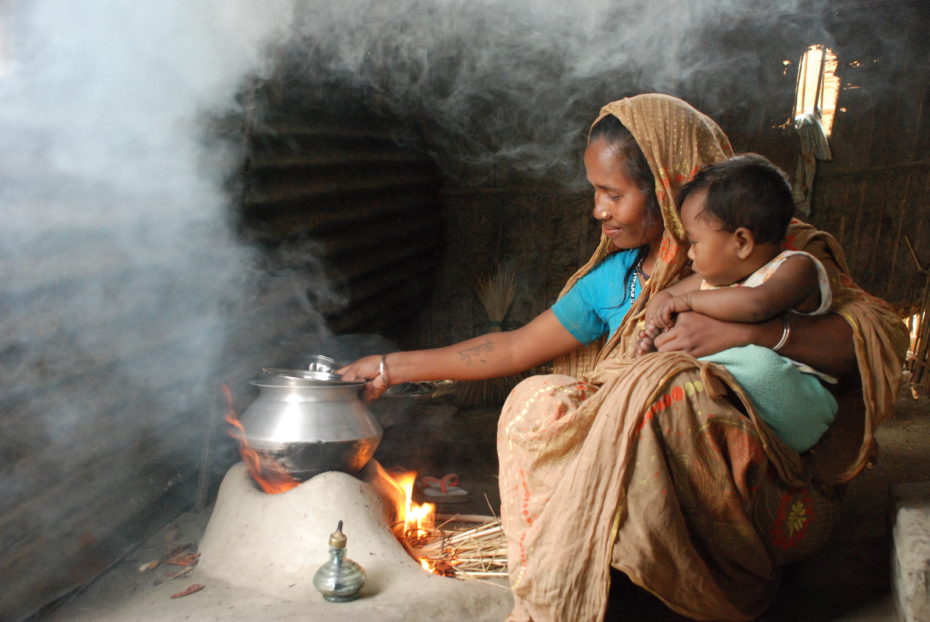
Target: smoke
column 113, row 90
column 493, row 83
column 123, row 279
column 116, row 204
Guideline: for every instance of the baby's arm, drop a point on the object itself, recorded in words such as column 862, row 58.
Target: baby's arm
column 655, row 310
column 656, row 319
column 793, row 283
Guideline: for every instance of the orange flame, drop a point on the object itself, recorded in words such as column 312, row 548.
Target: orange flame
column 267, row 473
column 418, row 519
column 419, row 522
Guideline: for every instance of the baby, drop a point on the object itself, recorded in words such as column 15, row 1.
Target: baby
column 735, row 215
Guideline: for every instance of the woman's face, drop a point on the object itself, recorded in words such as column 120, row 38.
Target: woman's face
column 618, row 202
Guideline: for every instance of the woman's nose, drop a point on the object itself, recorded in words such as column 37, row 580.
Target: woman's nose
column 599, row 212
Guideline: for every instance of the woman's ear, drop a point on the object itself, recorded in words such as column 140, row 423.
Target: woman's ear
column 745, row 242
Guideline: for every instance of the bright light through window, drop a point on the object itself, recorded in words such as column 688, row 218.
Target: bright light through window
column 818, row 86
column 6, row 10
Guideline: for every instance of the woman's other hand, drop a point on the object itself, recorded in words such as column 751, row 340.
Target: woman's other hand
column 823, row 341
column 700, row 335
column 366, row 369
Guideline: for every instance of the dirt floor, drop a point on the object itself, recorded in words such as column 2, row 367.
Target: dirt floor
column 849, row 580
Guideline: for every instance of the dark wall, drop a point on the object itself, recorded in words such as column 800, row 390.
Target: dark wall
column 542, row 234
column 874, row 192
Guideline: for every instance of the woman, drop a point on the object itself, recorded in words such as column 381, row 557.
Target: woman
column 659, row 466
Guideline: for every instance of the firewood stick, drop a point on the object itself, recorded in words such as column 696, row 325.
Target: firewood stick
column 467, row 518
column 476, row 531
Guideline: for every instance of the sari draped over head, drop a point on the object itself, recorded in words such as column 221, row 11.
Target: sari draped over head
column 660, row 466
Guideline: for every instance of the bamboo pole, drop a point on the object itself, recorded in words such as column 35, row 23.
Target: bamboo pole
column 875, row 233
column 857, row 226
column 902, row 207
column 918, row 363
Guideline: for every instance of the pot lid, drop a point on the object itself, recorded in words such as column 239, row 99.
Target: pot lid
column 301, row 377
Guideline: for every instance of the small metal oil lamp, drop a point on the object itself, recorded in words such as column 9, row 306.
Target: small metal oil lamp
column 340, row 579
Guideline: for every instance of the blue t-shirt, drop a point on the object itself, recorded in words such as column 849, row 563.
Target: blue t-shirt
column 598, row 302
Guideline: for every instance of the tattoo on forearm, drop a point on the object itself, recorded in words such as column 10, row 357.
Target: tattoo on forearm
column 476, row 354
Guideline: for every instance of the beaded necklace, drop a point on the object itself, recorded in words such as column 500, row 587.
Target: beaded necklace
column 634, row 276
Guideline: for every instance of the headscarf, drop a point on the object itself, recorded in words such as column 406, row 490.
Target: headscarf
column 677, row 140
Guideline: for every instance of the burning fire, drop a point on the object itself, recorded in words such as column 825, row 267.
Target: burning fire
column 479, row 552
column 417, row 522
column 418, row 519
column 271, row 476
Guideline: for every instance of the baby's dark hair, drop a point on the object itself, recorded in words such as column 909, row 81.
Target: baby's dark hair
column 745, row 191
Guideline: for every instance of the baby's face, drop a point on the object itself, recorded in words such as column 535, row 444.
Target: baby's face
column 712, row 250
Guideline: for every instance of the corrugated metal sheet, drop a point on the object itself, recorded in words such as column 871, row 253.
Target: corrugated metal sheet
column 372, row 210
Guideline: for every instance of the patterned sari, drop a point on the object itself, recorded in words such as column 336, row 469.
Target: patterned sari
column 660, row 466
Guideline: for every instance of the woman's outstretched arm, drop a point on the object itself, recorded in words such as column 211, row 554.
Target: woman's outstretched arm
column 488, row 356
column 824, row 341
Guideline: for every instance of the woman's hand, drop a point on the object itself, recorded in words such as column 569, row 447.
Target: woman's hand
column 700, row 335
column 823, row 341
column 367, row 369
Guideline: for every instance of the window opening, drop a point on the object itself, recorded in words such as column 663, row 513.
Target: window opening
column 818, row 86
column 6, row 44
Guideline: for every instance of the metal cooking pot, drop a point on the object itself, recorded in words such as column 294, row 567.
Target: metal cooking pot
column 309, row 422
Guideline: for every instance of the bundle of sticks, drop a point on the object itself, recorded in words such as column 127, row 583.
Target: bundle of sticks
column 466, row 546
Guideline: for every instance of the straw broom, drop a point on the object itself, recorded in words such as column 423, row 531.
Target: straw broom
column 496, row 292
